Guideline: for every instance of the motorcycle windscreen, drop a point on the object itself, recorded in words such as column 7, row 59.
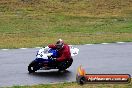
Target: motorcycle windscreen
column 74, row 51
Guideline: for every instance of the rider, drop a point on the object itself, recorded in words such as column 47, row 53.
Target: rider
column 63, row 50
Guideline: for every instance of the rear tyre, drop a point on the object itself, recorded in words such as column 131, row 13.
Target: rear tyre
column 32, row 67
column 64, row 65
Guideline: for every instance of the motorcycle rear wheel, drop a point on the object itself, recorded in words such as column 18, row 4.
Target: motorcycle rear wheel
column 64, row 65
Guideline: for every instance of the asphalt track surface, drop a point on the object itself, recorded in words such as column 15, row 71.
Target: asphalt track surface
column 98, row 58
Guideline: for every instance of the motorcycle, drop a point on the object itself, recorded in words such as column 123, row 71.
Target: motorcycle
column 46, row 60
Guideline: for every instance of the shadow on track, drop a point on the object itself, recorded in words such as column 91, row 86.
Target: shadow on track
column 53, row 74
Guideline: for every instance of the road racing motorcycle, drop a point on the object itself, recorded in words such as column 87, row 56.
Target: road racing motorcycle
column 46, row 60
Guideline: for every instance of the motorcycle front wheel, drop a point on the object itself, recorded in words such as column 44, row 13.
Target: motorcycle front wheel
column 32, row 67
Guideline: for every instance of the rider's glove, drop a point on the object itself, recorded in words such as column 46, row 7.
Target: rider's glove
column 54, row 59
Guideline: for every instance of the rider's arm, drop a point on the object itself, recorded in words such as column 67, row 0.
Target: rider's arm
column 52, row 46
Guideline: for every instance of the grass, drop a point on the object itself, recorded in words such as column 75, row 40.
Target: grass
column 75, row 85
column 31, row 23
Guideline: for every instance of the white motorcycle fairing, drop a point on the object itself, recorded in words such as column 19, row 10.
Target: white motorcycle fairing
column 43, row 52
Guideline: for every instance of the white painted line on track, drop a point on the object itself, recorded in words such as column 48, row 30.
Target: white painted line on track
column 5, row 49
column 69, row 45
column 120, row 42
column 89, row 44
column 104, row 43
column 23, row 48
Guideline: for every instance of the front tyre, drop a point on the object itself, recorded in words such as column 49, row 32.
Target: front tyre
column 32, row 67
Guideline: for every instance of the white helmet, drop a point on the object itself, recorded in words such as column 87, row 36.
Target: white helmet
column 59, row 44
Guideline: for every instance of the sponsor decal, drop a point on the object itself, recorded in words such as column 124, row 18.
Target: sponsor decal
column 83, row 78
